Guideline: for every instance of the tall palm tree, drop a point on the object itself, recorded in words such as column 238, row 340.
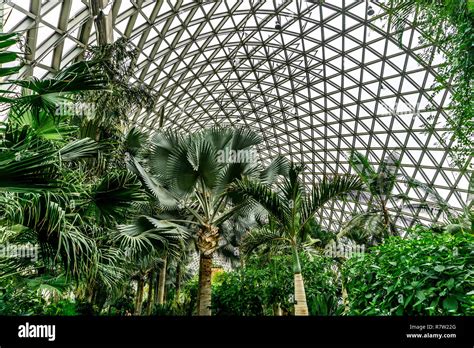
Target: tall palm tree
column 291, row 208
column 59, row 191
column 379, row 193
column 193, row 172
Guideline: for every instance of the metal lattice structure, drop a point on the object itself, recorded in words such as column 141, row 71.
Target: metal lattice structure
column 316, row 78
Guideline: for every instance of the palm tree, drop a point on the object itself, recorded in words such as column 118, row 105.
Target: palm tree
column 192, row 173
column 148, row 242
column 59, row 191
column 291, row 208
column 372, row 226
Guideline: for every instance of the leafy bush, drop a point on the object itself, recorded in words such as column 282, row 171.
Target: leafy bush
column 257, row 288
column 15, row 300
column 172, row 308
column 431, row 274
column 124, row 305
column 239, row 294
column 64, row 307
column 27, row 299
column 184, row 305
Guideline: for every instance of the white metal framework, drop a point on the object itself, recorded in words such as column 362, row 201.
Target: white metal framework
column 316, row 78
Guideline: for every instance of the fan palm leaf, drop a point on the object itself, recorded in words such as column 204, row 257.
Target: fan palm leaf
column 114, row 195
column 25, row 170
column 147, row 234
column 79, row 149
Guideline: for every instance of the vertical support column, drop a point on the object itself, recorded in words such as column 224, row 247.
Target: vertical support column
column 62, row 25
column 2, row 14
column 32, row 37
column 103, row 21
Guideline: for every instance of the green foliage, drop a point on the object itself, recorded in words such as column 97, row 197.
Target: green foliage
column 190, row 175
column 431, row 274
column 37, row 296
column 185, row 305
column 15, row 300
column 65, row 185
column 7, row 41
column 147, row 234
column 171, row 308
column 123, row 305
column 62, row 307
column 261, row 285
column 112, row 105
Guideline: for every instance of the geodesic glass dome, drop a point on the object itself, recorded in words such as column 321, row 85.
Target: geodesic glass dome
column 315, row 78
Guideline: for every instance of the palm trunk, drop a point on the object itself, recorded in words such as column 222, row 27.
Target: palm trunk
column 156, row 287
column 277, row 310
column 139, row 299
column 207, row 242
column 150, row 301
column 90, row 296
column 205, row 272
column 162, row 283
column 178, row 282
column 345, row 299
column 301, row 306
column 386, row 218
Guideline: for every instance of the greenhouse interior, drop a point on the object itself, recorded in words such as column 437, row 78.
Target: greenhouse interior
column 236, row 158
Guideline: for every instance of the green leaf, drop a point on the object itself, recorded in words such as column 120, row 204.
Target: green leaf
column 407, row 300
column 7, row 43
column 6, row 36
column 420, row 295
column 450, row 283
column 115, row 194
column 7, row 57
column 439, row 268
column 9, row 71
column 450, row 303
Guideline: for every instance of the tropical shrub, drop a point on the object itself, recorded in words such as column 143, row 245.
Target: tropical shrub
column 431, row 274
column 186, row 173
column 42, row 296
column 185, row 305
column 262, row 286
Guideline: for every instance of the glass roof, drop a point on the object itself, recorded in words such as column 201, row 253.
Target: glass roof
column 316, row 78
